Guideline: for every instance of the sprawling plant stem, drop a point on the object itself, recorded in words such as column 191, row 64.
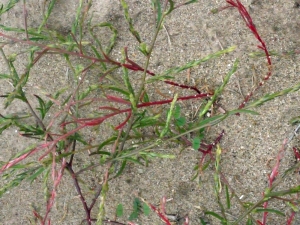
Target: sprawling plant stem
column 249, row 22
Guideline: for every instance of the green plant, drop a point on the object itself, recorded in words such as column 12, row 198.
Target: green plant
column 123, row 105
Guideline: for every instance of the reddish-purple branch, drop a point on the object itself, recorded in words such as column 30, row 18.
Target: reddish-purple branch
column 296, row 153
column 131, row 66
column 272, row 178
column 97, row 121
column 291, row 218
column 138, row 67
column 249, row 22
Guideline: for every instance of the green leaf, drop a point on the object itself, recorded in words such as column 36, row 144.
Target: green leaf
column 171, row 8
column 136, row 207
column 146, row 97
column 249, row 221
column 8, row 6
column 77, row 17
column 119, row 210
column 158, row 78
column 295, row 120
column 259, row 210
column 30, row 130
column 158, row 155
column 136, row 204
column 86, row 92
column 191, row 1
column 269, row 97
column 78, row 69
column 133, row 216
column 121, row 168
column 107, row 142
column 294, row 207
column 19, row 82
column 196, row 143
column 4, row 127
column 39, row 170
column 146, row 209
column 137, row 161
column 113, row 39
column 158, row 10
column 5, row 76
column 143, row 49
column 120, row 90
column 214, row 215
column 78, row 137
column 129, row 20
column 181, row 121
column 194, row 63
column 227, row 197
column 26, row 150
column 177, row 111
column 5, row 122
column 14, row 183
column 219, row 90
column 42, row 109
column 203, row 222
column 147, row 121
column 47, row 14
column 169, row 116
column 128, row 85
column 211, row 121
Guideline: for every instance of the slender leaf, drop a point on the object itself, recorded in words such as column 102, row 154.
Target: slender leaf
column 120, row 90
column 148, row 121
column 191, row 1
column 14, row 183
column 38, row 171
column 177, row 111
column 146, row 209
column 42, row 109
column 249, row 221
column 8, row 6
column 269, row 97
column 107, row 142
column 158, row 78
column 295, row 120
column 144, row 49
column 47, row 14
column 130, row 88
column 194, row 63
column 158, row 155
column 129, row 20
column 77, row 17
column 181, row 121
column 157, row 7
column 219, row 90
column 169, row 116
column 5, row 76
column 227, row 197
column 121, row 169
column 85, row 93
column 113, row 39
column 196, row 143
column 171, row 8
column 119, row 210
column 214, row 215
column 258, row 210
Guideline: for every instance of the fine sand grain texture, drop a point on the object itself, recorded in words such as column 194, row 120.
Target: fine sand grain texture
column 250, row 144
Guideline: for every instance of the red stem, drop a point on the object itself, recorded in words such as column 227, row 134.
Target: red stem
column 97, row 121
column 249, row 22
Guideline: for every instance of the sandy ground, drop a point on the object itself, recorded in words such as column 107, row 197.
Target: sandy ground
column 250, row 143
